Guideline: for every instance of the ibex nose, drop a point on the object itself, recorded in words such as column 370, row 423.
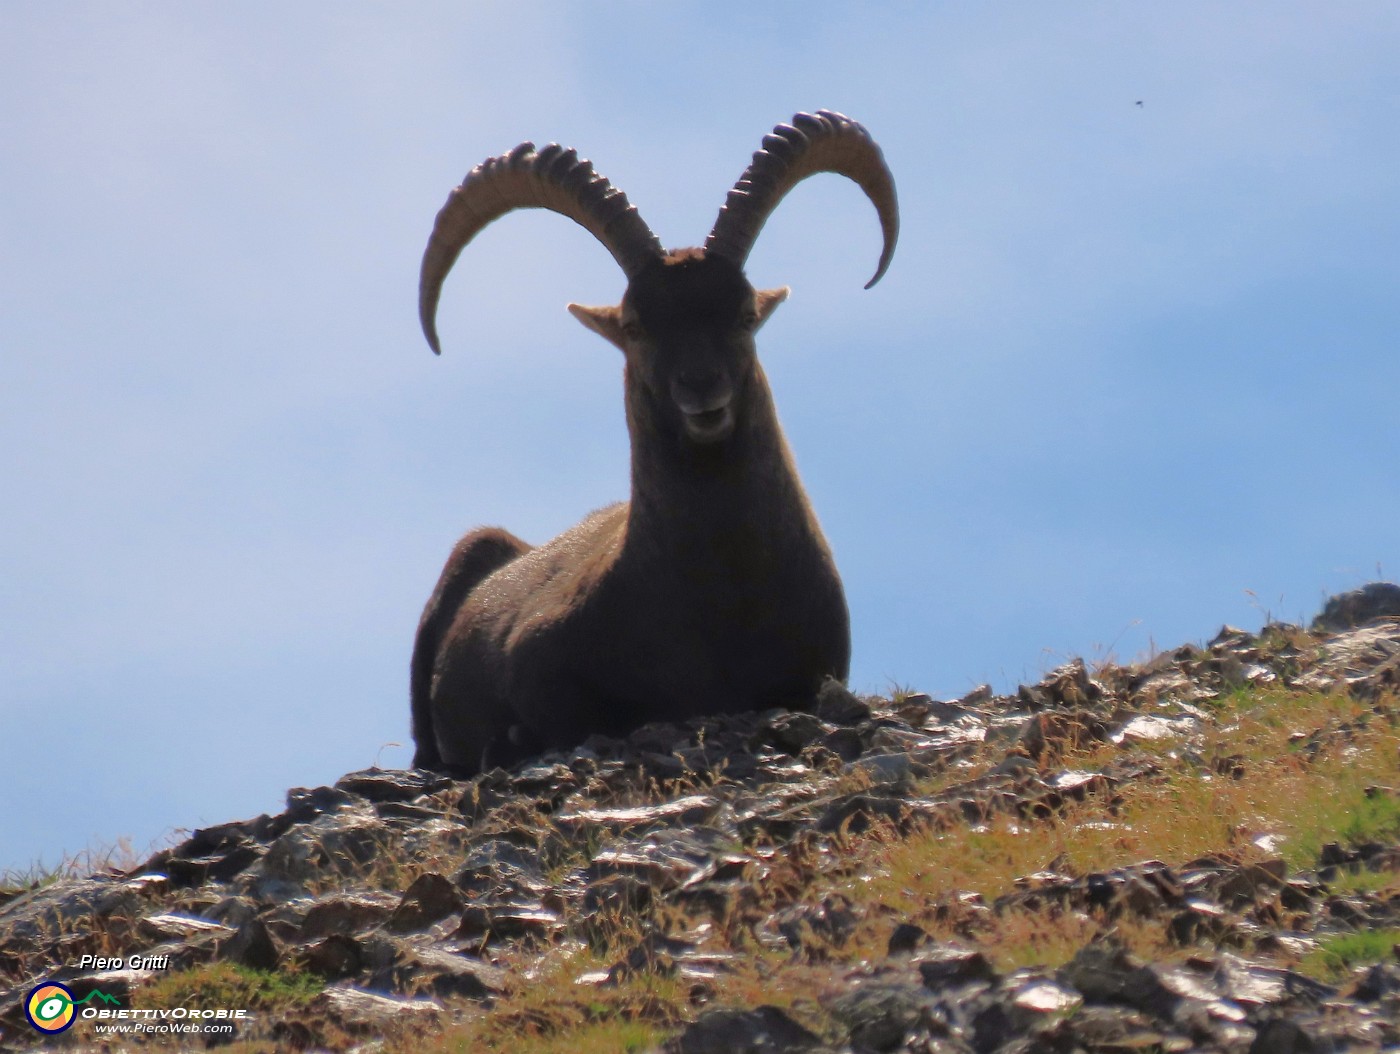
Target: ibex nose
column 699, row 391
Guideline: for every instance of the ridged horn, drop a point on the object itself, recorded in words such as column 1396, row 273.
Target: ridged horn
column 553, row 178
column 821, row 142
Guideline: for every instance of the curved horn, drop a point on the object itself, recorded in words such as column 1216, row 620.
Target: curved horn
column 553, row 178
column 820, row 142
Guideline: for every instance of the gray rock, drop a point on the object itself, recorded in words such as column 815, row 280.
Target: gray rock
column 392, row 785
column 508, row 922
column 347, row 913
column 252, row 946
column 881, row 1013
column 335, row 957
column 167, row 926
column 764, row 1030
column 689, row 811
column 497, row 865
column 433, row 971
column 945, row 965
column 431, row 898
column 1358, row 607
column 1101, row 971
column 1282, row 1037
column 362, row 1011
column 835, row 703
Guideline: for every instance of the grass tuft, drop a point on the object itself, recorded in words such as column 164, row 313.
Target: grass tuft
column 229, row 985
column 1336, row 957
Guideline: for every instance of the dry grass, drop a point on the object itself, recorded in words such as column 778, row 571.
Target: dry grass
column 1259, row 773
column 121, row 855
column 550, row 1012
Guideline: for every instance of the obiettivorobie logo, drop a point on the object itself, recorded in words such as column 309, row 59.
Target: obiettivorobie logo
column 51, row 1007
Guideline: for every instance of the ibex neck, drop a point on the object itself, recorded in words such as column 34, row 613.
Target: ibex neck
column 741, row 492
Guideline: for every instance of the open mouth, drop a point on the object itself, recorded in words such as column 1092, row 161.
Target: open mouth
column 709, row 425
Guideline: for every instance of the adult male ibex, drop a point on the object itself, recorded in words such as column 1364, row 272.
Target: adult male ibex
column 712, row 590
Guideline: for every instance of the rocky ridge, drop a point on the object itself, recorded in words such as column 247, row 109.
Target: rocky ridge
column 416, row 902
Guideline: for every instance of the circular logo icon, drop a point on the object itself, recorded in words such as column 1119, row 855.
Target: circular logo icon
column 50, row 1007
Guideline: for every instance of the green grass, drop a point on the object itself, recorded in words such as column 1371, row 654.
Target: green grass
column 1364, row 881
column 1336, row 957
column 1375, row 818
column 228, row 985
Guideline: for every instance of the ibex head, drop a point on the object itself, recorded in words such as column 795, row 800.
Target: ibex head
column 687, row 320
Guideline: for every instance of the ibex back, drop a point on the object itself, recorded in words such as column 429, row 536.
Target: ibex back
column 712, row 590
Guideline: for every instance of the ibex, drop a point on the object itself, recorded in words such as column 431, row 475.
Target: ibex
column 712, row 590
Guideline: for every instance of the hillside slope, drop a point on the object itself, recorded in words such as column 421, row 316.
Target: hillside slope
column 1198, row 852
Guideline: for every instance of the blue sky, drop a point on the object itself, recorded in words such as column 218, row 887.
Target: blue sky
column 1132, row 373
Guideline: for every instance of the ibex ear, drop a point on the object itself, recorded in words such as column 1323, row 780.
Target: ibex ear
column 766, row 301
column 605, row 321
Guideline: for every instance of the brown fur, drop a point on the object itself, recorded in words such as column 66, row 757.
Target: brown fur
column 711, row 591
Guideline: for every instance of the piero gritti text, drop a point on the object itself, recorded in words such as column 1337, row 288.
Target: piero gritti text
column 136, row 962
